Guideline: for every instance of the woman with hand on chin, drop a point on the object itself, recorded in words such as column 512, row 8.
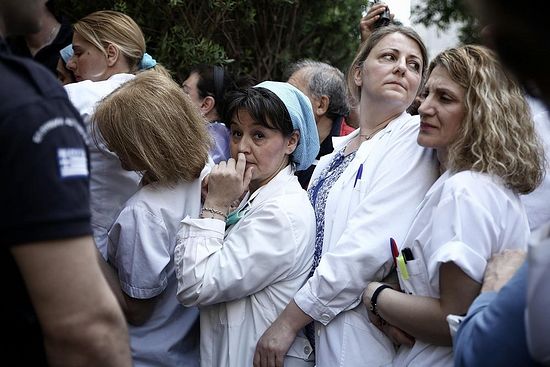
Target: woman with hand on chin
column 363, row 193
column 478, row 121
column 242, row 268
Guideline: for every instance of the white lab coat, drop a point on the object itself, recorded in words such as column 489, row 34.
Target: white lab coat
column 244, row 277
column 110, row 184
column 465, row 218
column 359, row 222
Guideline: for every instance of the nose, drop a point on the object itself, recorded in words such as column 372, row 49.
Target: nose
column 425, row 107
column 401, row 66
column 243, row 145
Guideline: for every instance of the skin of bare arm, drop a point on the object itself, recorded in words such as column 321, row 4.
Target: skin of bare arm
column 425, row 317
column 80, row 318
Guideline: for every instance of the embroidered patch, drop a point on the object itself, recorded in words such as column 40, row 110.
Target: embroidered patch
column 72, row 162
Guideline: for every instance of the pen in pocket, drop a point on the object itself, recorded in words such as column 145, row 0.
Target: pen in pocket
column 407, row 254
column 358, row 175
column 394, row 251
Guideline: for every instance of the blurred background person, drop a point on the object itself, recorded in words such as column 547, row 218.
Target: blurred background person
column 207, row 86
column 64, row 75
column 325, row 86
column 43, row 46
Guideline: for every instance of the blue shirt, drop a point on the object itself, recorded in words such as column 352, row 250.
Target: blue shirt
column 493, row 332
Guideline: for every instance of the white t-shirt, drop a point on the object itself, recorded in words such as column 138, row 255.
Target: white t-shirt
column 141, row 248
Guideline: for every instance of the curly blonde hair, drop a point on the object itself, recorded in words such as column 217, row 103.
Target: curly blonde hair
column 150, row 122
column 497, row 135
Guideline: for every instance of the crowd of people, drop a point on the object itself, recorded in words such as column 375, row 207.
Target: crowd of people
column 394, row 214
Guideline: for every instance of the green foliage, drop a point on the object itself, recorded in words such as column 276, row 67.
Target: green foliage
column 441, row 13
column 254, row 37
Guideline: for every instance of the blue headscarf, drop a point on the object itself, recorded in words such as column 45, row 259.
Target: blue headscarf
column 66, row 53
column 301, row 114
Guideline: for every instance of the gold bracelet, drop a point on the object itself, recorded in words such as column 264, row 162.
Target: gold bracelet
column 215, row 211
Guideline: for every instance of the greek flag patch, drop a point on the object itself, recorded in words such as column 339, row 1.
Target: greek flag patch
column 72, row 162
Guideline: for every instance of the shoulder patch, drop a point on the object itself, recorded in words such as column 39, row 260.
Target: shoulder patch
column 72, row 162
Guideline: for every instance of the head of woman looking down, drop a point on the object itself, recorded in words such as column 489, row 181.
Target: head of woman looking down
column 106, row 43
column 386, row 76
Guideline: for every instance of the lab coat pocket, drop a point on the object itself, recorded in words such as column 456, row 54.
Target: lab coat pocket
column 233, row 313
column 415, row 278
column 358, row 332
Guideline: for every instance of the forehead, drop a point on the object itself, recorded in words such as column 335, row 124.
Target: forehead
column 298, row 79
column 400, row 42
column 79, row 41
column 440, row 78
column 192, row 80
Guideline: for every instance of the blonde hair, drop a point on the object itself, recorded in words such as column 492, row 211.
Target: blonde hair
column 105, row 27
column 497, row 135
column 370, row 43
column 150, row 122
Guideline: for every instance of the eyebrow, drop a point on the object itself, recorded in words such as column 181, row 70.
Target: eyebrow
column 399, row 52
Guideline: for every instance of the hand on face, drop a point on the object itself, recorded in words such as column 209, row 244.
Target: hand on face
column 227, row 182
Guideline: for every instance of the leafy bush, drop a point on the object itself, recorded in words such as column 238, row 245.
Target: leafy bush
column 254, row 37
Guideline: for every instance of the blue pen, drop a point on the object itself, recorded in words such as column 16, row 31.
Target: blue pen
column 358, row 175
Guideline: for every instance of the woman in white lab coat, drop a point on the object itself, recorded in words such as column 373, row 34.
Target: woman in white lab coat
column 363, row 193
column 478, row 121
column 242, row 267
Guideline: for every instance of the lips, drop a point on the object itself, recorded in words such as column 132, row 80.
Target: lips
column 426, row 126
column 397, row 83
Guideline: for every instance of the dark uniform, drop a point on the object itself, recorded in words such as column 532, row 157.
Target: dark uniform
column 43, row 187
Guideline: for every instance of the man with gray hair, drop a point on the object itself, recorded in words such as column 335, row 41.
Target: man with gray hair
column 325, row 86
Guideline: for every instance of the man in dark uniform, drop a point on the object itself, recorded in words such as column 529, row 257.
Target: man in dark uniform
column 57, row 307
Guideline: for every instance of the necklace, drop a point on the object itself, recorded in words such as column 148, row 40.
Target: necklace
column 369, row 136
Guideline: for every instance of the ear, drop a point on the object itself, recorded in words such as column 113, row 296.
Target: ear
column 292, row 142
column 321, row 105
column 207, row 105
column 113, row 53
column 357, row 74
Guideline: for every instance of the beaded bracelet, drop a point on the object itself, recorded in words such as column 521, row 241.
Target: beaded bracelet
column 215, row 211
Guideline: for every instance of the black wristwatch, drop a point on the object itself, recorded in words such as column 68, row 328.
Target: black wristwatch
column 374, row 297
